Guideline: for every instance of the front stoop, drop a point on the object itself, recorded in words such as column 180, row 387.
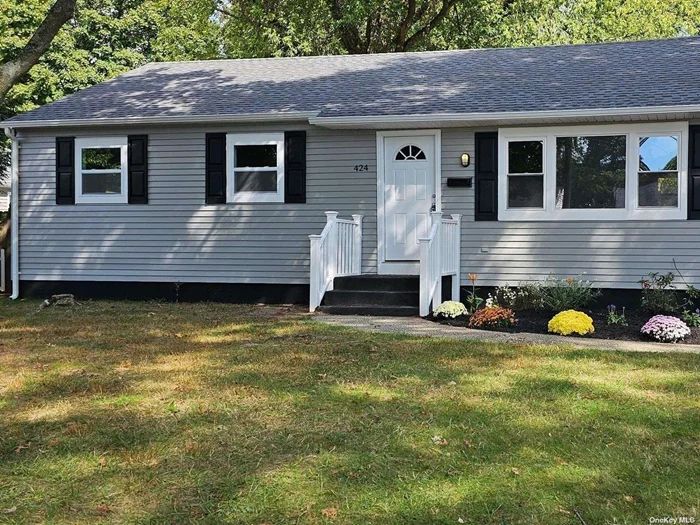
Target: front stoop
column 388, row 295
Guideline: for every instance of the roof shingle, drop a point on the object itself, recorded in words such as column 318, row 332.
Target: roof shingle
column 589, row 76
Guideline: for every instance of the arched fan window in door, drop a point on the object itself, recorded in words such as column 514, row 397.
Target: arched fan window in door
column 410, row 152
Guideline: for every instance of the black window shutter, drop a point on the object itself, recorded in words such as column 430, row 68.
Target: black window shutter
column 216, row 168
column 486, row 177
column 65, row 170
column 295, row 166
column 694, row 174
column 138, row 169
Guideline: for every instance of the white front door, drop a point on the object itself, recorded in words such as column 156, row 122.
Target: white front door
column 409, row 194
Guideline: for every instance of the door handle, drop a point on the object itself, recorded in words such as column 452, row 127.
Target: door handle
column 434, row 206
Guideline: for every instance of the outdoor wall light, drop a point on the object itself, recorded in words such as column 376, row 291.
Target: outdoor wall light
column 465, row 159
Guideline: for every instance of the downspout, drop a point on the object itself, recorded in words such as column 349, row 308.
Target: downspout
column 14, row 211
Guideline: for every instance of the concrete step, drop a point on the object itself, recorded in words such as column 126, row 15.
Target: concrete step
column 373, row 282
column 370, row 298
column 393, row 311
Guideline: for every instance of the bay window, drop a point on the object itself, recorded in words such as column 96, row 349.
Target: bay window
column 602, row 172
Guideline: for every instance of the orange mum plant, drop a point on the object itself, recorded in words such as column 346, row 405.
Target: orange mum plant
column 493, row 317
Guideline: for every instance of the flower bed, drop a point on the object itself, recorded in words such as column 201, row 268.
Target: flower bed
column 563, row 306
column 536, row 321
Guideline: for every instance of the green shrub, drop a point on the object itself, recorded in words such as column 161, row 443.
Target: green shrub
column 503, row 296
column 616, row 318
column 528, row 296
column 567, row 294
column 690, row 318
column 659, row 293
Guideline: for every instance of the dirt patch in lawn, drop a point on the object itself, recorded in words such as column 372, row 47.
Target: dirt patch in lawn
column 535, row 322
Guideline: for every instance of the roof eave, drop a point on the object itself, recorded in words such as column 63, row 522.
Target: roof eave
column 299, row 116
column 379, row 121
column 502, row 118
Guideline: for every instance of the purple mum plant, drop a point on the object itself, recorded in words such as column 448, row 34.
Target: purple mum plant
column 666, row 329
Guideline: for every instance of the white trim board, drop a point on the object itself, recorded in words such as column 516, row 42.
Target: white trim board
column 164, row 120
column 680, row 112
column 402, row 268
column 102, row 198
column 253, row 139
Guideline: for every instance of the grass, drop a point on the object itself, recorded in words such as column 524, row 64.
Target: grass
column 208, row 413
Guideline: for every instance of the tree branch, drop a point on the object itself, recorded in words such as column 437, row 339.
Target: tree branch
column 405, row 25
column 348, row 32
column 430, row 25
column 223, row 11
column 368, row 34
column 12, row 70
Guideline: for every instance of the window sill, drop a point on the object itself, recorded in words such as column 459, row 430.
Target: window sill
column 592, row 215
column 112, row 199
column 255, row 199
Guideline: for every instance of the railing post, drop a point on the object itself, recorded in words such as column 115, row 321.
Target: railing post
column 424, row 307
column 316, row 263
column 436, row 217
column 457, row 277
column 357, row 245
column 332, row 240
column 2, row 270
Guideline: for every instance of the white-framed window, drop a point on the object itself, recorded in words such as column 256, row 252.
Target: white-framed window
column 101, row 170
column 593, row 172
column 255, row 167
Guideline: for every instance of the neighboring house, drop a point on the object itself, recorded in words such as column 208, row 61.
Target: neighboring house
column 4, row 198
column 207, row 178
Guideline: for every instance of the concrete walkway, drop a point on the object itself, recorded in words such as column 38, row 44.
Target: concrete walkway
column 422, row 328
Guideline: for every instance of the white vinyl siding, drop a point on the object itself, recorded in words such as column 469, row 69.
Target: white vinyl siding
column 176, row 237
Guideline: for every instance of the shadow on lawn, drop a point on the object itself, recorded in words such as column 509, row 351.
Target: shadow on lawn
column 278, row 417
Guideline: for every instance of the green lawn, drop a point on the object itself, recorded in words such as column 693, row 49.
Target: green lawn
column 162, row 413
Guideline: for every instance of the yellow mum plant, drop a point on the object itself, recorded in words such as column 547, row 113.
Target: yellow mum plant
column 571, row 322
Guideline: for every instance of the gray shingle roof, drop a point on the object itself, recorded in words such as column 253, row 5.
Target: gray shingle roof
column 589, row 76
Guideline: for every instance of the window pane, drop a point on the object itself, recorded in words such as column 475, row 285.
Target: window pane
column 102, row 158
column 525, row 157
column 658, row 153
column 591, row 172
column 263, row 156
column 658, row 190
column 102, row 183
column 526, row 191
column 256, row 181
column 410, row 153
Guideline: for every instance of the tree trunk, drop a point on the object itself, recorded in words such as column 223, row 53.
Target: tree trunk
column 12, row 70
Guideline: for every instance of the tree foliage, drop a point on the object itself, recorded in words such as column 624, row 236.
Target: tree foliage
column 14, row 67
column 104, row 39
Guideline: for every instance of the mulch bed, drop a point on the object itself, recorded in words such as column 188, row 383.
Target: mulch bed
column 535, row 322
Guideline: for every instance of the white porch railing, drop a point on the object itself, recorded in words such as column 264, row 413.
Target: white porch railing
column 439, row 256
column 337, row 251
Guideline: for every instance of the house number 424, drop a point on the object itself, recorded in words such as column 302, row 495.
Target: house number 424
column 361, row 167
